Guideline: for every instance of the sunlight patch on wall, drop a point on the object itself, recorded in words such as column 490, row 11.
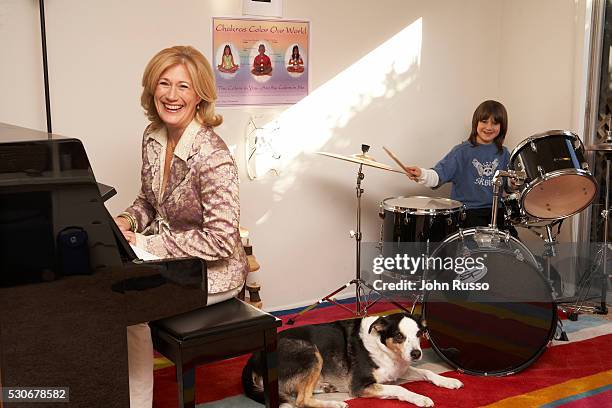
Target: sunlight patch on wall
column 310, row 124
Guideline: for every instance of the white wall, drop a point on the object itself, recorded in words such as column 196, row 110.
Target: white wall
column 21, row 74
column 539, row 42
column 299, row 221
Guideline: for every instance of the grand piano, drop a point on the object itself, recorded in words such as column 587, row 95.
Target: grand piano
column 69, row 281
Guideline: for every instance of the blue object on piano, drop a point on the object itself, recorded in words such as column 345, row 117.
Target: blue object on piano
column 72, row 244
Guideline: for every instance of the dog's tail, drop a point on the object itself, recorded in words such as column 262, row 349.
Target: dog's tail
column 252, row 379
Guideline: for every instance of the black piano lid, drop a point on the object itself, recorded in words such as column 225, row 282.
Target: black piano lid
column 14, row 134
column 30, row 157
column 11, row 133
column 33, row 159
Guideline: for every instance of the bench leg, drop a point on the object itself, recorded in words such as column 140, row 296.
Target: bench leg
column 270, row 369
column 185, row 378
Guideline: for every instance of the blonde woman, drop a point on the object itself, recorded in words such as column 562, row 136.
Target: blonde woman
column 188, row 203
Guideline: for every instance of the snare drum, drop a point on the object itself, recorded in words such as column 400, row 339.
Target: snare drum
column 498, row 331
column 559, row 183
column 419, row 219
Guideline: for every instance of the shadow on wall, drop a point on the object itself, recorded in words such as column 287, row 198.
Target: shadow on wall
column 318, row 119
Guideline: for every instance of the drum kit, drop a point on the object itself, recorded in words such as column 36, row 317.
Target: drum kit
column 478, row 334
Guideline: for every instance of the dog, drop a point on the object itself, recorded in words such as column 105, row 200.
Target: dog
column 358, row 356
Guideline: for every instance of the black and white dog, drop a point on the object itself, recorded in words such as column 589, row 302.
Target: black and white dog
column 356, row 356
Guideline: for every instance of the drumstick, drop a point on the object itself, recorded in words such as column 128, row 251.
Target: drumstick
column 398, row 161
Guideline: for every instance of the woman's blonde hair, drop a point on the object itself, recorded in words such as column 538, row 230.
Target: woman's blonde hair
column 202, row 78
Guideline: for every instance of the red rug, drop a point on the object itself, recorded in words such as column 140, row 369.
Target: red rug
column 568, row 375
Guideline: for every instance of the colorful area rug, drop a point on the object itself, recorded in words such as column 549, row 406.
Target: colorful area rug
column 574, row 374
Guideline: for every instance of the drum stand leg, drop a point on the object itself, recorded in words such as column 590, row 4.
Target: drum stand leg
column 560, row 334
column 603, row 309
column 362, row 301
column 549, row 252
column 602, row 259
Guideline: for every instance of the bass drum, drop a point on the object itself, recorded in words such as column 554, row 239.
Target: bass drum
column 497, row 314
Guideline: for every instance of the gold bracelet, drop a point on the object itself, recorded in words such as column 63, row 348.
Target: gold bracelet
column 130, row 218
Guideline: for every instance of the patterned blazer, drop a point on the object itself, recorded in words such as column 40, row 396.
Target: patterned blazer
column 199, row 212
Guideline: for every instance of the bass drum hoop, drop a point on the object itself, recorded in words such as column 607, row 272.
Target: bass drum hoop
column 462, row 233
column 551, row 331
column 499, row 373
column 459, row 207
column 541, row 136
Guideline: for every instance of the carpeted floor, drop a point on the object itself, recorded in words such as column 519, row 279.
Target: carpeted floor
column 574, row 374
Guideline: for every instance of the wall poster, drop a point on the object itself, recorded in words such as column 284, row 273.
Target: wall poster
column 260, row 62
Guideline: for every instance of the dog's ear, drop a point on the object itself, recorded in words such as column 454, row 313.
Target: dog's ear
column 381, row 324
column 422, row 323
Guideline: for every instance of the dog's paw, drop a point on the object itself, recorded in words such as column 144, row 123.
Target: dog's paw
column 450, row 383
column 337, row 404
column 325, row 388
column 422, row 401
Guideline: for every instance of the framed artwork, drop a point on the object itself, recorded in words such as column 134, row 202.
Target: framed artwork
column 260, row 62
column 268, row 8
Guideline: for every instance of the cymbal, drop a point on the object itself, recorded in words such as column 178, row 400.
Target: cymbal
column 361, row 159
column 600, row 147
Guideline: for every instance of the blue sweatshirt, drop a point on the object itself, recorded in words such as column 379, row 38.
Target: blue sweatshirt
column 471, row 168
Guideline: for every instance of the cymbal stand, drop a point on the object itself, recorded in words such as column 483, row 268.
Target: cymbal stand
column 362, row 301
column 602, row 259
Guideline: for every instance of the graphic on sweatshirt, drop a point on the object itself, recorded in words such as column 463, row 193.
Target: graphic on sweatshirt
column 485, row 171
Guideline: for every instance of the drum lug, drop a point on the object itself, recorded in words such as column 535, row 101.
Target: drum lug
column 585, row 166
column 533, row 147
column 432, row 222
column 541, row 171
column 518, row 253
column 381, row 211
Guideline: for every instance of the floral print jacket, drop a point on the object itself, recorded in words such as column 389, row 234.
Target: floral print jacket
column 198, row 213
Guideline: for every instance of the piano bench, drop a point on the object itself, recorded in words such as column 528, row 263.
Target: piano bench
column 217, row 332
